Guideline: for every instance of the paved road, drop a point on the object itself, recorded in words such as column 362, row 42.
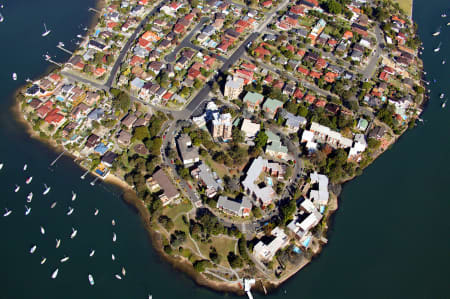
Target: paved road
column 77, row 78
column 186, row 42
column 129, row 43
column 371, row 66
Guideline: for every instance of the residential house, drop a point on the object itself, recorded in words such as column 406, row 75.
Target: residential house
column 208, row 179
column 124, row 138
column 250, row 129
column 266, row 252
column 271, row 107
column 160, row 180
column 252, row 186
column 188, row 153
column 253, row 100
column 233, row 87
column 240, row 208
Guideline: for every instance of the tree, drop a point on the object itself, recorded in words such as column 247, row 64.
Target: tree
column 334, row 7
column 214, row 256
column 261, row 139
column 177, row 238
column 201, row 265
column 141, row 133
column 166, row 222
column 184, row 173
column 256, row 211
column 287, row 211
column 234, row 260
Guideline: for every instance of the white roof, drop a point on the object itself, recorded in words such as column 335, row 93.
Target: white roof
column 308, row 205
column 307, row 136
column 316, row 127
column 310, row 221
column 250, row 128
column 266, row 194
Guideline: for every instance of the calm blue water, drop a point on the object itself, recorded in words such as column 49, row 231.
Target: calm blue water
column 389, row 238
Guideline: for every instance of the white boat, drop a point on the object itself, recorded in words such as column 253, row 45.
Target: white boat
column 47, row 190
column 443, row 61
column 43, row 260
column 1, row 166
column 47, row 57
column 443, row 15
column 27, row 210
column 113, row 257
column 30, row 197
column 55, row 273
column 444, row 104
column 42, row 230
column 124, row 272
column 70, row 211
column 74, row 233
column 91, row 279
column 61, row 44
column 438, row 48
column 64, row 259
column 91, row 254
column 79, row 36
column 74, row 196
column 7, row 213
column 28, row 181
column 113, row 222
column 33, row 249
column 14, row 76
column 441, row 96
column 96, row 212
column 436, row 33
column 150, row 297
column 1, row 18
column 114, row 237
column 25, row 167
column 448, row 24
column 53, row 205
column 118, row 277
column 58, row 242
column 17, row 189
column 46, row 32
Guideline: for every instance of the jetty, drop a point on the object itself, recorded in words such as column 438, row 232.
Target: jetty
column 57, row 158
column 94, row 10
column 248, row 283
column 64, row 49
column 84, row 175
column 93, row 182
column 54, row 62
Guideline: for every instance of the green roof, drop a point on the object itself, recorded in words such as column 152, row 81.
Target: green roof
column 271, row 136
column 277, row 147
column 272, row 105
column 253, row 97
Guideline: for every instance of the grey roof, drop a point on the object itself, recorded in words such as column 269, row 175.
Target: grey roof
column 236, row 207
column 164, row 182
column 187, row 151
column 207, row 177
column 96, row 114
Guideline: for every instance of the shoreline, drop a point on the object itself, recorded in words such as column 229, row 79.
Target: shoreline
column 128, row 195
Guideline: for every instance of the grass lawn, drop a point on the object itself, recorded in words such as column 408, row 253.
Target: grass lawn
column 406, row 5
column 173, row 211
column 222, row 244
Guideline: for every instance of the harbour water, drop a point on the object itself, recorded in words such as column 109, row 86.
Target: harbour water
column 389, row 239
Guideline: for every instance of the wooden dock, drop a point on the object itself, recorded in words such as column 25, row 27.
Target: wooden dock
column 54, row 62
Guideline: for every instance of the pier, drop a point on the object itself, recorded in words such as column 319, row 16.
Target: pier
column 63, row 49
column 93, row 182
column 57, row 158
column 94, row 10
column 84, row 175
column 54, row 62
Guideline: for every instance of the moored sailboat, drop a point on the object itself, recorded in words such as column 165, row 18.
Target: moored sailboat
column 46, row 32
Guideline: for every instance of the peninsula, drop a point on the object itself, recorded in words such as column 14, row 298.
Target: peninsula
column 233, row 123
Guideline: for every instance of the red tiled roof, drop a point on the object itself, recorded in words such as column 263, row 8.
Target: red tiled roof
column 303, row 70
column 320, row 103
column 310, row 98
column 315, row 74
column 298, row 94
column 178, row 28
